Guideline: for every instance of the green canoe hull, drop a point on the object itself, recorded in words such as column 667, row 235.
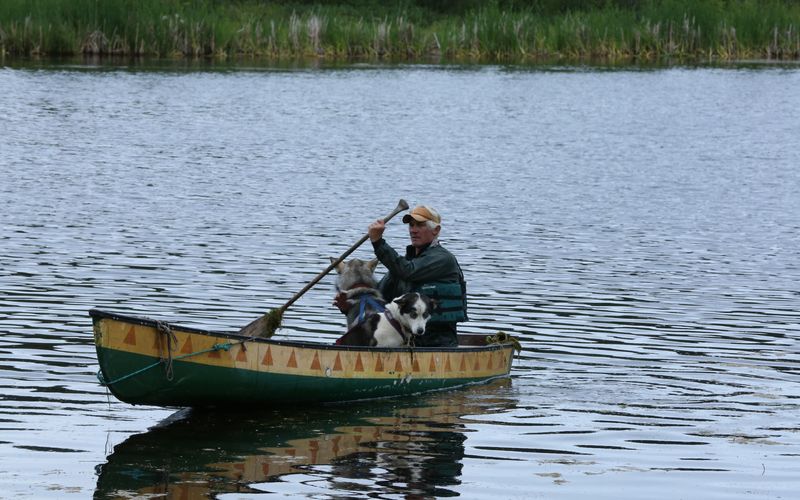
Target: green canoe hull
column 143, row 361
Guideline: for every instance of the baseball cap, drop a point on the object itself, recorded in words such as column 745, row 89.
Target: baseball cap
column 421, row 213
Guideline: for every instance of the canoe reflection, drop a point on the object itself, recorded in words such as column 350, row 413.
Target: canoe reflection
column 394, row 446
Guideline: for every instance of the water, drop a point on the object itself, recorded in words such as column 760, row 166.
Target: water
column 636, row 229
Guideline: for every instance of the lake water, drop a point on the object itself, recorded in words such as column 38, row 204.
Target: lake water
column 637, row 229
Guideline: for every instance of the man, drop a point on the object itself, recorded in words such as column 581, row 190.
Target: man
column 427, row 268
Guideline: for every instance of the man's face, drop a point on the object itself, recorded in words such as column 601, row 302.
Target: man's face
column 421, row 234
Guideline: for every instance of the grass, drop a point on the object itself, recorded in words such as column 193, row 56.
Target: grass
column 404, row 29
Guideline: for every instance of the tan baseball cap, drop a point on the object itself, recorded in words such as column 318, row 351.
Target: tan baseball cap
column 422, row 213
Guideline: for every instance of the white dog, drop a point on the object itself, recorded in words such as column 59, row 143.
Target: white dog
column 404, row 318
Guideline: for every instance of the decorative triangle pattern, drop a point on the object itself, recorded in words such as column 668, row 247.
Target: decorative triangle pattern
column 187, row 346
column 242, row 355
column 315, row 363
column 267, row 361
column 130, row 338
column 359, row 365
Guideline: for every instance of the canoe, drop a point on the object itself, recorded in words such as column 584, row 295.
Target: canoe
column 149, row 362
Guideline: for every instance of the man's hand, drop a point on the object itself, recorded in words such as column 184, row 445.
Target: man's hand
column 375, row 230
column 340, row 301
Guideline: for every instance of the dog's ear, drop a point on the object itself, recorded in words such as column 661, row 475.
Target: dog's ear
column 371, row 265
column 339, row 267
column 402, row 300
column 432, row 303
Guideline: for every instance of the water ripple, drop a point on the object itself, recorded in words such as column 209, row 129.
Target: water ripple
column 649, row 271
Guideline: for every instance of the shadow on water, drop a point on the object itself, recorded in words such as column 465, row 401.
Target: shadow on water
column 411, row 446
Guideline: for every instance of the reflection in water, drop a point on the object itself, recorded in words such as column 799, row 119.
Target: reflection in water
column 409, row 446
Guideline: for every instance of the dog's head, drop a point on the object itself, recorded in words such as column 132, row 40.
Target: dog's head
column 354, row 273
column 415, row 311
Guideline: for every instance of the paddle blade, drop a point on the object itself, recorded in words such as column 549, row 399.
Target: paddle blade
column 265, row 326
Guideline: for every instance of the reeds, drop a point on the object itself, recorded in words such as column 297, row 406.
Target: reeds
column 649, row 29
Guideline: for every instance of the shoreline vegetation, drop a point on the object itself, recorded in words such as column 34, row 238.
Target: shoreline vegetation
column 405, row 30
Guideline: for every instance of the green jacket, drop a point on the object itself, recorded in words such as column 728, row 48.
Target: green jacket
column 411, row 272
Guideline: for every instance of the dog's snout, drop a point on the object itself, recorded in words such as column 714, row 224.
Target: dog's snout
column 420, row 331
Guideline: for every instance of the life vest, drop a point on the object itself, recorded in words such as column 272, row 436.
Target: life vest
column 451, row 299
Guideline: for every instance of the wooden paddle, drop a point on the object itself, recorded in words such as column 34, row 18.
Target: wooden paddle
column 266, row 325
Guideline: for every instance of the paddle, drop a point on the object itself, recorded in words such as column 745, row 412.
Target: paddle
column 266, row 325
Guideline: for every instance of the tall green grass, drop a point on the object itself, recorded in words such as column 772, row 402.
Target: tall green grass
column 404, row 29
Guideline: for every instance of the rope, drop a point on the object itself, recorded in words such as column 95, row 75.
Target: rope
column 171, row 341
column 504, row 338
column 215, row 347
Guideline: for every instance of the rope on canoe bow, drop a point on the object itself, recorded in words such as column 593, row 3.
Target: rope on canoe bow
column 503, row 338
column 166, row 361
column 172, row 341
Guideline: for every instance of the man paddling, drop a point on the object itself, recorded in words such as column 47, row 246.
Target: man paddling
column 427, row 267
